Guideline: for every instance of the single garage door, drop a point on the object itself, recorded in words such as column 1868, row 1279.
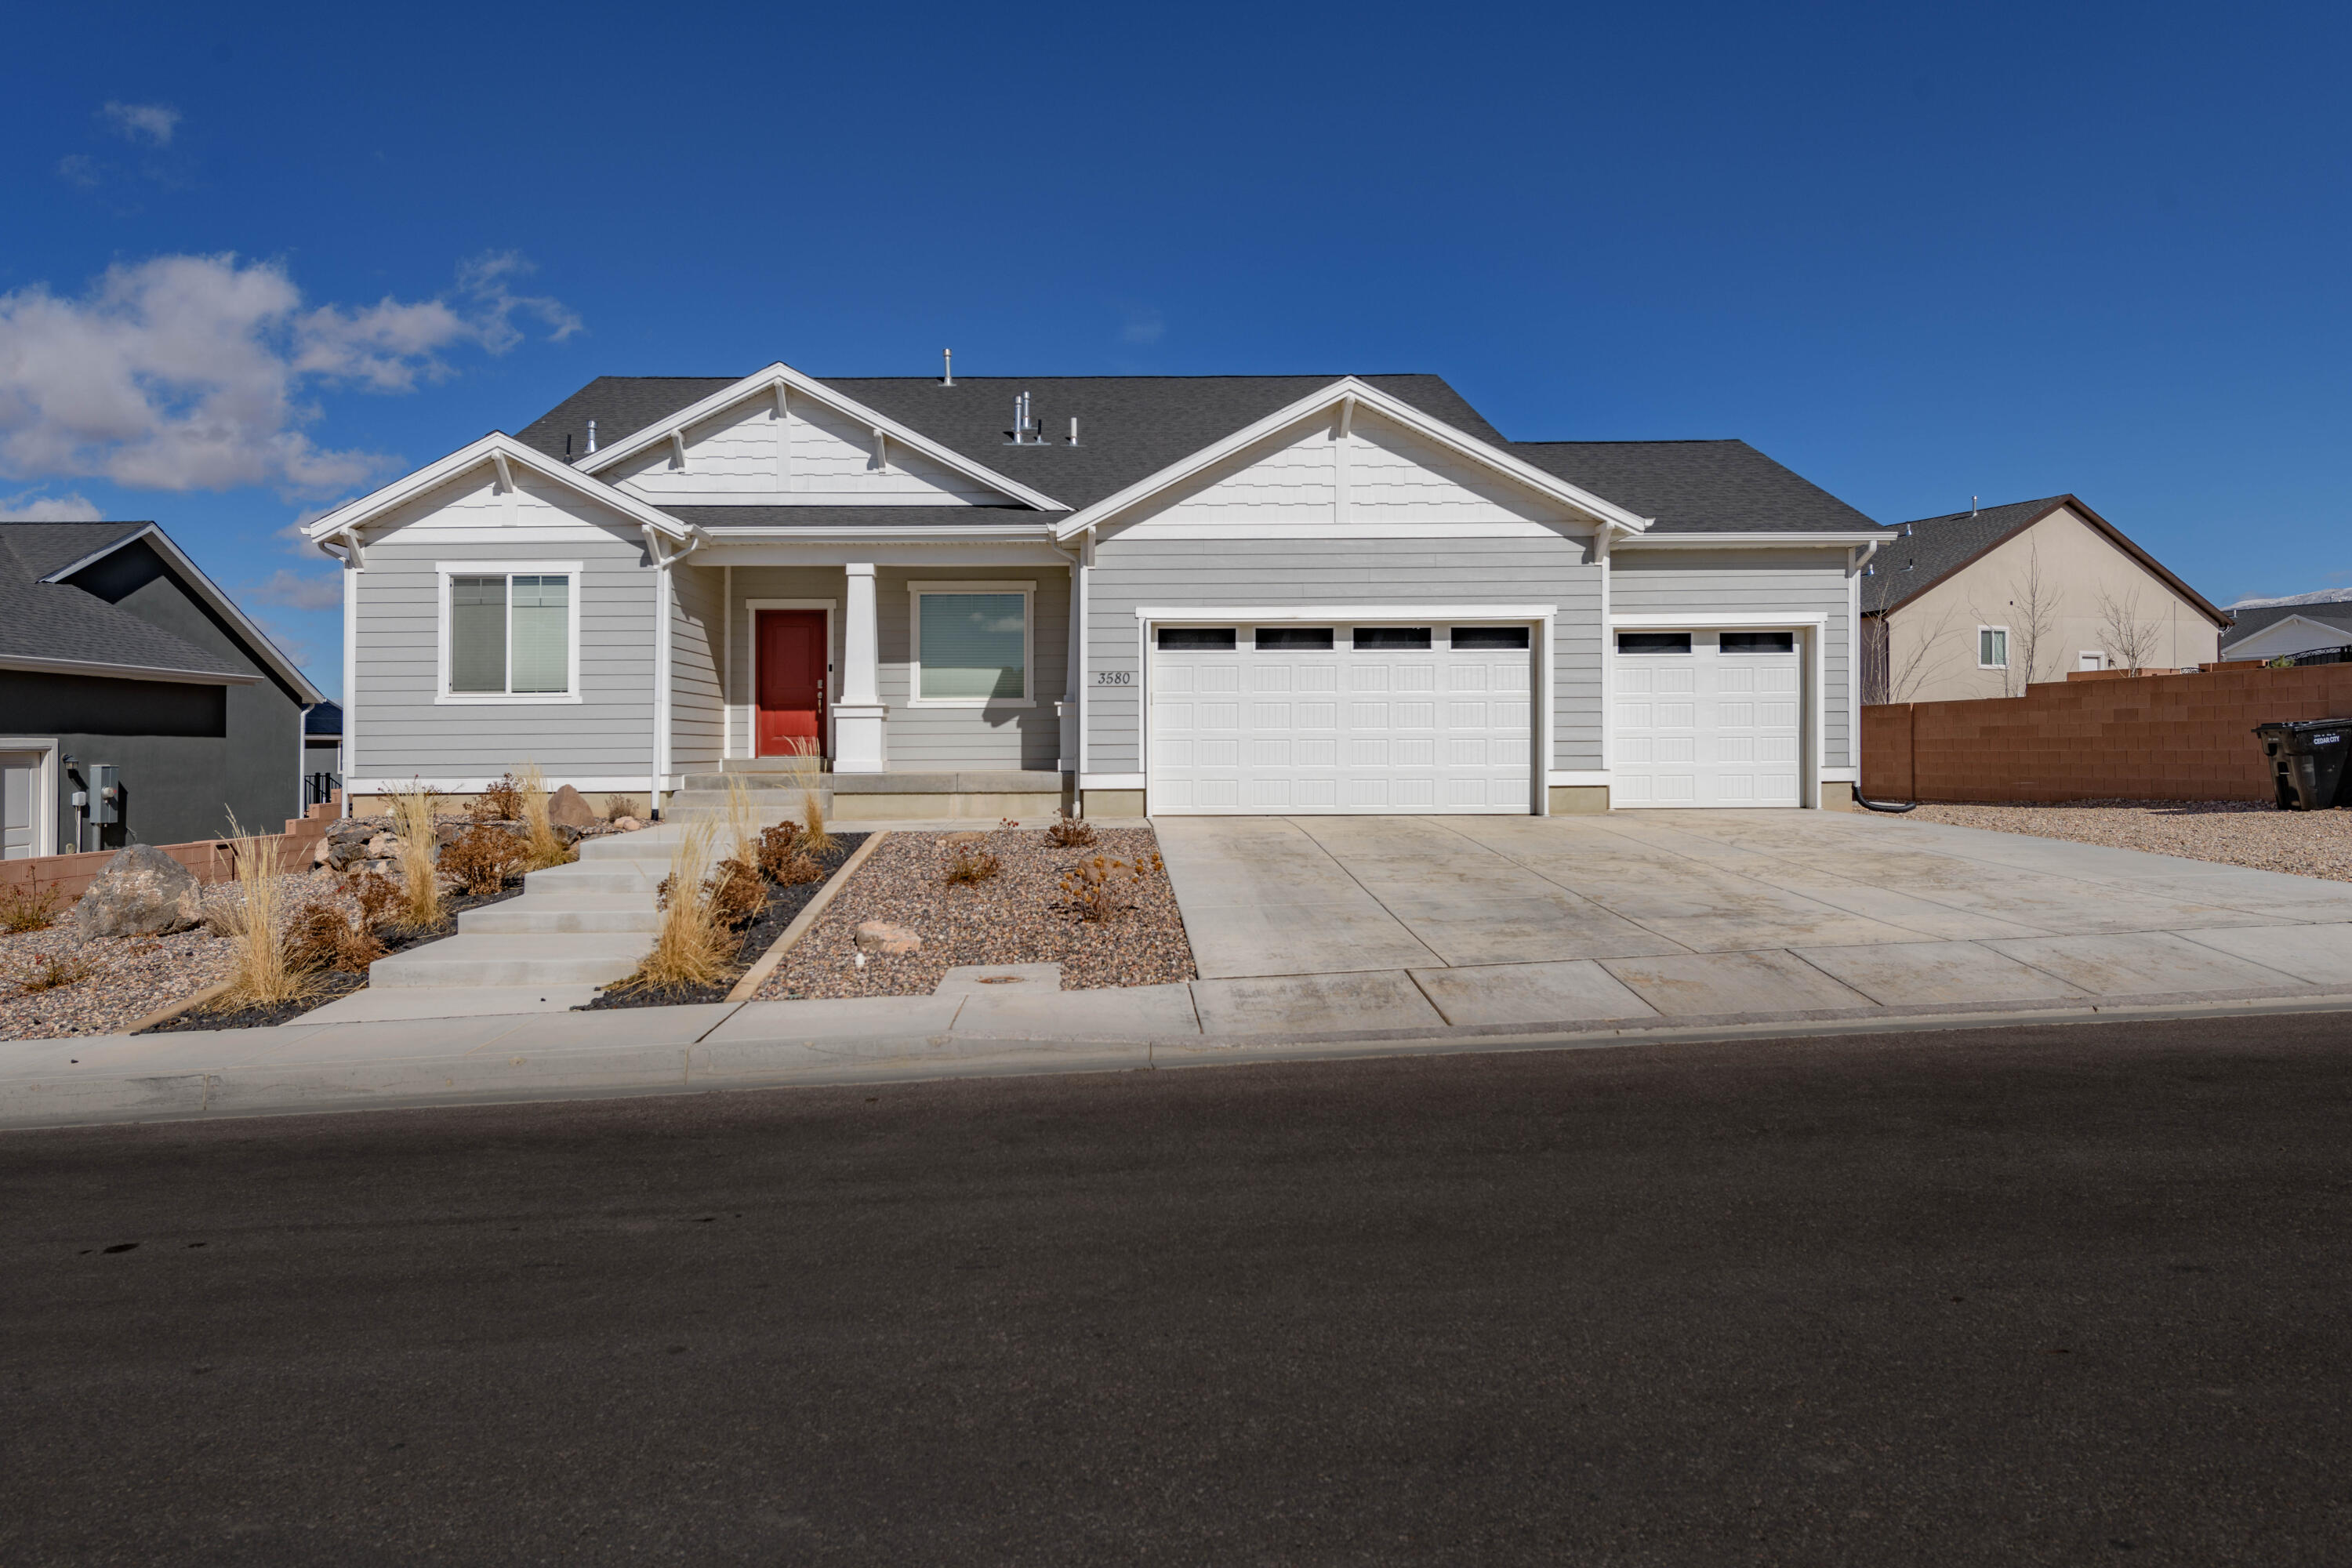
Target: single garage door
column 1707, row 718
column 1260, row 720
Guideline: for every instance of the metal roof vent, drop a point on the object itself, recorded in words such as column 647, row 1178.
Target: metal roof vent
column 1026, row 431
column 947, row 359
column 592, row 434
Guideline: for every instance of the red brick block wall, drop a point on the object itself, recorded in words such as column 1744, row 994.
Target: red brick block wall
column 2158, row 737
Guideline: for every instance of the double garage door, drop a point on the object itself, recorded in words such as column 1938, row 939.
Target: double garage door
column 1252, row 720
column 1707, row 718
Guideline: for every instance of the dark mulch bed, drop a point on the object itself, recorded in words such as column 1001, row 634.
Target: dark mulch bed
column 337, row 983
column 1018, row 916
column 785, row 904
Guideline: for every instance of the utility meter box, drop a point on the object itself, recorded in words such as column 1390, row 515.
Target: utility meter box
column 105, row 793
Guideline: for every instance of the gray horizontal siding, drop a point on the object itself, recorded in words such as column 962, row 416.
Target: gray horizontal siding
column 401, row 731
column 697, row 719
column 1226, row 573
column 1762, row 582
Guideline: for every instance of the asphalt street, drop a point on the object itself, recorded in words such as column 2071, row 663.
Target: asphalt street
column 2064, row 1294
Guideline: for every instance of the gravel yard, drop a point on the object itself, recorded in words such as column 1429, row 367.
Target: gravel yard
column 130, row 976
column 2234, row 832
column 1018, row 916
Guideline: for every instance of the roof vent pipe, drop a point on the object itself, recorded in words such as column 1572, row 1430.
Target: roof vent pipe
column 946, row 358
column 592, row 434
column 1074, row 429
column 1972, row 506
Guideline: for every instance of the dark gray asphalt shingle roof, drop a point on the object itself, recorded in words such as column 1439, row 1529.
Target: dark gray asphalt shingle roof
column 58, row 620
column 1696, row 487
column 324, row 719
column 2263, row 618
column 1129, row 427
column 1940, row 546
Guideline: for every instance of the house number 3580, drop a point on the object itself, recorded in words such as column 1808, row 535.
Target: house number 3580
column 1114, row 678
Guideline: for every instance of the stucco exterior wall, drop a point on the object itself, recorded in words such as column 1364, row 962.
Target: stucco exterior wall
column 1932, row 639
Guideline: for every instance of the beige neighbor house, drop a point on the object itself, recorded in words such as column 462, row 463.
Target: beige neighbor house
column 1979, row 603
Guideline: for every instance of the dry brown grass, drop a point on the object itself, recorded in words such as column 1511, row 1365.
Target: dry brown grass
column 971, row 866
column 260, row 973
column 1070, row 833
column 415, row 817
column 778, row 847
column 1102, row 888
column 482, row 859
column 693, row 947
column 51, row 971
column 498, row 802
column 27, row 907
column 323, row 936
column 544, row 846
column 813, row 837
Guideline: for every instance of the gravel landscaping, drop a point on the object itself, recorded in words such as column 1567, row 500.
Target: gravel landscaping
column 2233, row 832
column 1018, row 916
column 130, row 976
column 784, row 905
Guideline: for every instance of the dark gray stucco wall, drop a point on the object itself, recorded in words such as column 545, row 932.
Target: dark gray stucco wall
column 190, row 754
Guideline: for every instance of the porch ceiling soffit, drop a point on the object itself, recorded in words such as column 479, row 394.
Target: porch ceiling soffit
column 504, row 454
column 765, row 384
column 1350, row 392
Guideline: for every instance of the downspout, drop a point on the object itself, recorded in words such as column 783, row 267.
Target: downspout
column 347, row 749
column 662, row 564
column 1072, row 659
column 1855, row 561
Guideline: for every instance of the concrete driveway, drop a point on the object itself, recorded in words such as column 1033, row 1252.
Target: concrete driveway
column 1409, row 922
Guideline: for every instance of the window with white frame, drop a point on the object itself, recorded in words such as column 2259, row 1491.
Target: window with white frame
column 1992, row 648
column 970, row 643
column 510, row 633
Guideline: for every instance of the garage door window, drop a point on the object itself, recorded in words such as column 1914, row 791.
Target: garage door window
column 1197, row 640
column 1490, row 637
column 1391, row 638
column 1654, row 642
column 1760, row 642
column 1308, row 639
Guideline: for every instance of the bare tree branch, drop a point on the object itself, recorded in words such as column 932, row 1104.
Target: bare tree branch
column 1908, row 674
column 2127, row 636
column 2033, row 625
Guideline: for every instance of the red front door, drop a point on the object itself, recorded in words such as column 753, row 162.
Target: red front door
column 792, row 680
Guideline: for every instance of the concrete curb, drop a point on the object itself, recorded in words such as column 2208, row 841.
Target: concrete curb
column 525, row 1057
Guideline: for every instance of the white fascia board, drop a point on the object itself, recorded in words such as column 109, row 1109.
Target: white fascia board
column 1254, row 615
column 1035, row 533
column 1349, row 389
column 485, row 451
column 227, row 608
column 128, row 671
column 764, row 382
column 1842, row 541
column 1735, row 620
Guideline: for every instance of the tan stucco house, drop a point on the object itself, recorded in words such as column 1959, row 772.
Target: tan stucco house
column 1979, row 603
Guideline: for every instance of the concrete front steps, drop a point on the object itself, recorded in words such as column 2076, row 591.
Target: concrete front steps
column 873, row 797
column 585, row 924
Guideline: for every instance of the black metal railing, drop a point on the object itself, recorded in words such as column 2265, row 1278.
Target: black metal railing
column 318, row 789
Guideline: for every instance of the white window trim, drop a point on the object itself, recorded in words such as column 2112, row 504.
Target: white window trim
column 448, row 569
column 2004, row 647
column 751, row 709
column 1028, row 592
column 46, row 806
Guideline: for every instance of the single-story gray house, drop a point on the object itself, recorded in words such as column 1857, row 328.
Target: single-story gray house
column 2274, row 631
column 1244, row 595
column 137, row 702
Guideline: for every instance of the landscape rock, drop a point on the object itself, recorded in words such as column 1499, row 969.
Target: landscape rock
column 383, row 846
column 882, row 937
column 344, row 853
column 319, row 853
column 142, row 892
column 567, row 807
column 628, row 824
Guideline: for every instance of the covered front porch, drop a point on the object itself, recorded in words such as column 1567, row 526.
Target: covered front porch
column 927, row 683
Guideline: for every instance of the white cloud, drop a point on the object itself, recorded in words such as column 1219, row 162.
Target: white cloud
column 149, row 122
column 199, row 371
column 1142, row 326
column 301, row 542
column 298, row 591
column 79, row 169
column 32, row 506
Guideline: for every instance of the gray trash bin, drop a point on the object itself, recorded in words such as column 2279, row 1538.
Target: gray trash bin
column 2307, row 758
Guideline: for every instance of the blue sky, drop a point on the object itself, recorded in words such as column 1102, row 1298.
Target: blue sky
column 261, row 259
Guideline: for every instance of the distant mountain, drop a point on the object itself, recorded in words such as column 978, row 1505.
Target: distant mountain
column 2325, row 597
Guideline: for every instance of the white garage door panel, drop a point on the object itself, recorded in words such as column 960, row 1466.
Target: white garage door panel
column 1248, row 731
column 1709, row 727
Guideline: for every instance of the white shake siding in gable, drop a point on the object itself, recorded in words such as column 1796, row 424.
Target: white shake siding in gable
column 809, row 457
column 1718, row 587
column 403, row 732
column 1227, row 573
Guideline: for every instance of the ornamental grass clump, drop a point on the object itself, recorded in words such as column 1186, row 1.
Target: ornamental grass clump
column 259, row 974
column 416, row 818
column 693, row 947
column 543, row 845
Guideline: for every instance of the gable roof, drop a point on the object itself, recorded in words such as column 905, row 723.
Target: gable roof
column 1940, row 546
column 1129, row 427
column 501, row 453
column 1698, row 486
column 49, row 624
column 2257, row 620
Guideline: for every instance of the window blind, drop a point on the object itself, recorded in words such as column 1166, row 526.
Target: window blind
column 477, row 634
column 542, row 633
column 973, row 645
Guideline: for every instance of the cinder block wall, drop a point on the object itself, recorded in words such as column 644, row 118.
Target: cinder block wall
column 2158, row 737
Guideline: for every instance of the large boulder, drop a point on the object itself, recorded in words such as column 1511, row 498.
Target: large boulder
column 567, row 807
column 142, row 892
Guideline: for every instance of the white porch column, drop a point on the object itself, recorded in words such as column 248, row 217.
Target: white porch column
column 857, row 717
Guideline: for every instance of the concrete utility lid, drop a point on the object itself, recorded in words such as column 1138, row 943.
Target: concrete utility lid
column 966, row 979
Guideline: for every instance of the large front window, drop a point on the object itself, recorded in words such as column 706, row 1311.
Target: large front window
column 510, row 634
column 971, row 643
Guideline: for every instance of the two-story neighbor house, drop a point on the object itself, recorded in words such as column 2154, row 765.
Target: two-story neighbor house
column 1245, row 594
